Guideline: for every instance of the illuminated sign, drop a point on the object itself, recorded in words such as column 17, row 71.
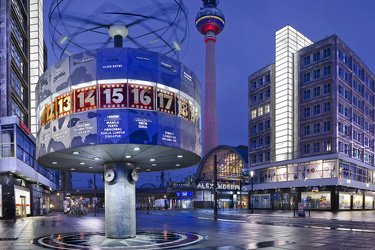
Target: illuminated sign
column 166, row 101
column 85, row 99
column 141, row 96
column 24, row 127
column 63, row 105
column 113, row 95
column 220, row 186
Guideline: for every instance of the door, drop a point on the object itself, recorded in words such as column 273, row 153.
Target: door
column 23, row 206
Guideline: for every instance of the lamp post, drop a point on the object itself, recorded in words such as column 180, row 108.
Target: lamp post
column 252, row 190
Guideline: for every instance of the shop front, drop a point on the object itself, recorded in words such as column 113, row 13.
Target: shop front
column 22, row 200
column 317, row 200
column 231, row 163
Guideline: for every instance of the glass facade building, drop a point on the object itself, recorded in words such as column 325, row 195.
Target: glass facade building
column 329, row 126
column 24, row 185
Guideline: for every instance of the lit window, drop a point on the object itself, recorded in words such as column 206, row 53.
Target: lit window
column 253, row 113
column 267, row 109
column 260, row 111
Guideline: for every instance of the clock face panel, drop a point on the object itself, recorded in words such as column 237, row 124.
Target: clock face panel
column 134, row 175
column 109, row 175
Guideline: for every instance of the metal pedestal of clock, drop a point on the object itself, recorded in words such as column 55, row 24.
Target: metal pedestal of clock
column 120, row 220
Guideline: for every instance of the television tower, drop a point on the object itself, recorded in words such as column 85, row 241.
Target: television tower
column 210, row 22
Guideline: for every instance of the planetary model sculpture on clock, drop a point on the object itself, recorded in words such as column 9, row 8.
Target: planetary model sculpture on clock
column 118, row 111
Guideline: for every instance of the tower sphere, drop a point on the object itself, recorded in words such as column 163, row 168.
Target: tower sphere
column 209, row 18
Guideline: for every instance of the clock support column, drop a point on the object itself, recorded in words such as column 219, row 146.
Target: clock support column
column 120, row 219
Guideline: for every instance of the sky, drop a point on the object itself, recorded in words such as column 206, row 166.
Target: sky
column 247, row 44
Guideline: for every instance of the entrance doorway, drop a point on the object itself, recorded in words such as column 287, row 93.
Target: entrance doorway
column 23, row 206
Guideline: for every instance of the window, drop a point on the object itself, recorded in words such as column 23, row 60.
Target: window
column 268, row 78
column 327, row 70
column 316, row 73
column 306, row 94
column 341, row 147
column 260, row 126
column 260, row 111
column 306, row 112
column 317, row 91
column 253, row 129
column 306, row 130
column 341, row 108
column 267, row 109
column 253, row 85
column 316, row 56
column 316, row 128
column 268, row 140
column 326, row 52
column 327, row 145
column 306, row 77
column 327, row 88
column 327, row 126
column 260, row 158
column 341, row 90
column 327, row 107
column 306, row 60
column 306, row 149
column 253, row 113
column 268, row 93
column 267, row 124
column 316, row 109
column 261, row 96
column 253, row 99
column 316, row 147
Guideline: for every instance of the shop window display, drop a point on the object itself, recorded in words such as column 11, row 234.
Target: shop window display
column 357, row 201
column 316, row 200
column 344, row 201
column 369, row 202
column 261, row 201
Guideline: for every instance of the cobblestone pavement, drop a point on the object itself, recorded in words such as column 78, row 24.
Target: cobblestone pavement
column 235, row 229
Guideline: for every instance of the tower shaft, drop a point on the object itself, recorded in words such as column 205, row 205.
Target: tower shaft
column 210, row 114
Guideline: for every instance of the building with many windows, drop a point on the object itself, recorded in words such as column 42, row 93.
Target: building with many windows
column 24, row 185
column 311, row 126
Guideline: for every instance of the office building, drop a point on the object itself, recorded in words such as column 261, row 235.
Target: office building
column 24, row 185
column 311, row 126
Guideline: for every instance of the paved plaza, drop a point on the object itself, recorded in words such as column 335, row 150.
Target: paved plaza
column 235, row 229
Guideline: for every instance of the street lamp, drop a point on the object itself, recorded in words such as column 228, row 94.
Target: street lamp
column 252, row 189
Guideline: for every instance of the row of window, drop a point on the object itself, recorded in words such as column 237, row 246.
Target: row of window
column 316, row 109
column 260, row 127
column 316, row 74
column 260, row 157
column 17, row 33
column 261, row 96
column 316, row 147
column 317, row 128
column 260, row 111
column 317, row 56
column 18, row 87
column 260, row 82
column 261, row 141
column 24, row 150
column 355, row 153
column 316, row 91
column 17, row 58
column 357, row 119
